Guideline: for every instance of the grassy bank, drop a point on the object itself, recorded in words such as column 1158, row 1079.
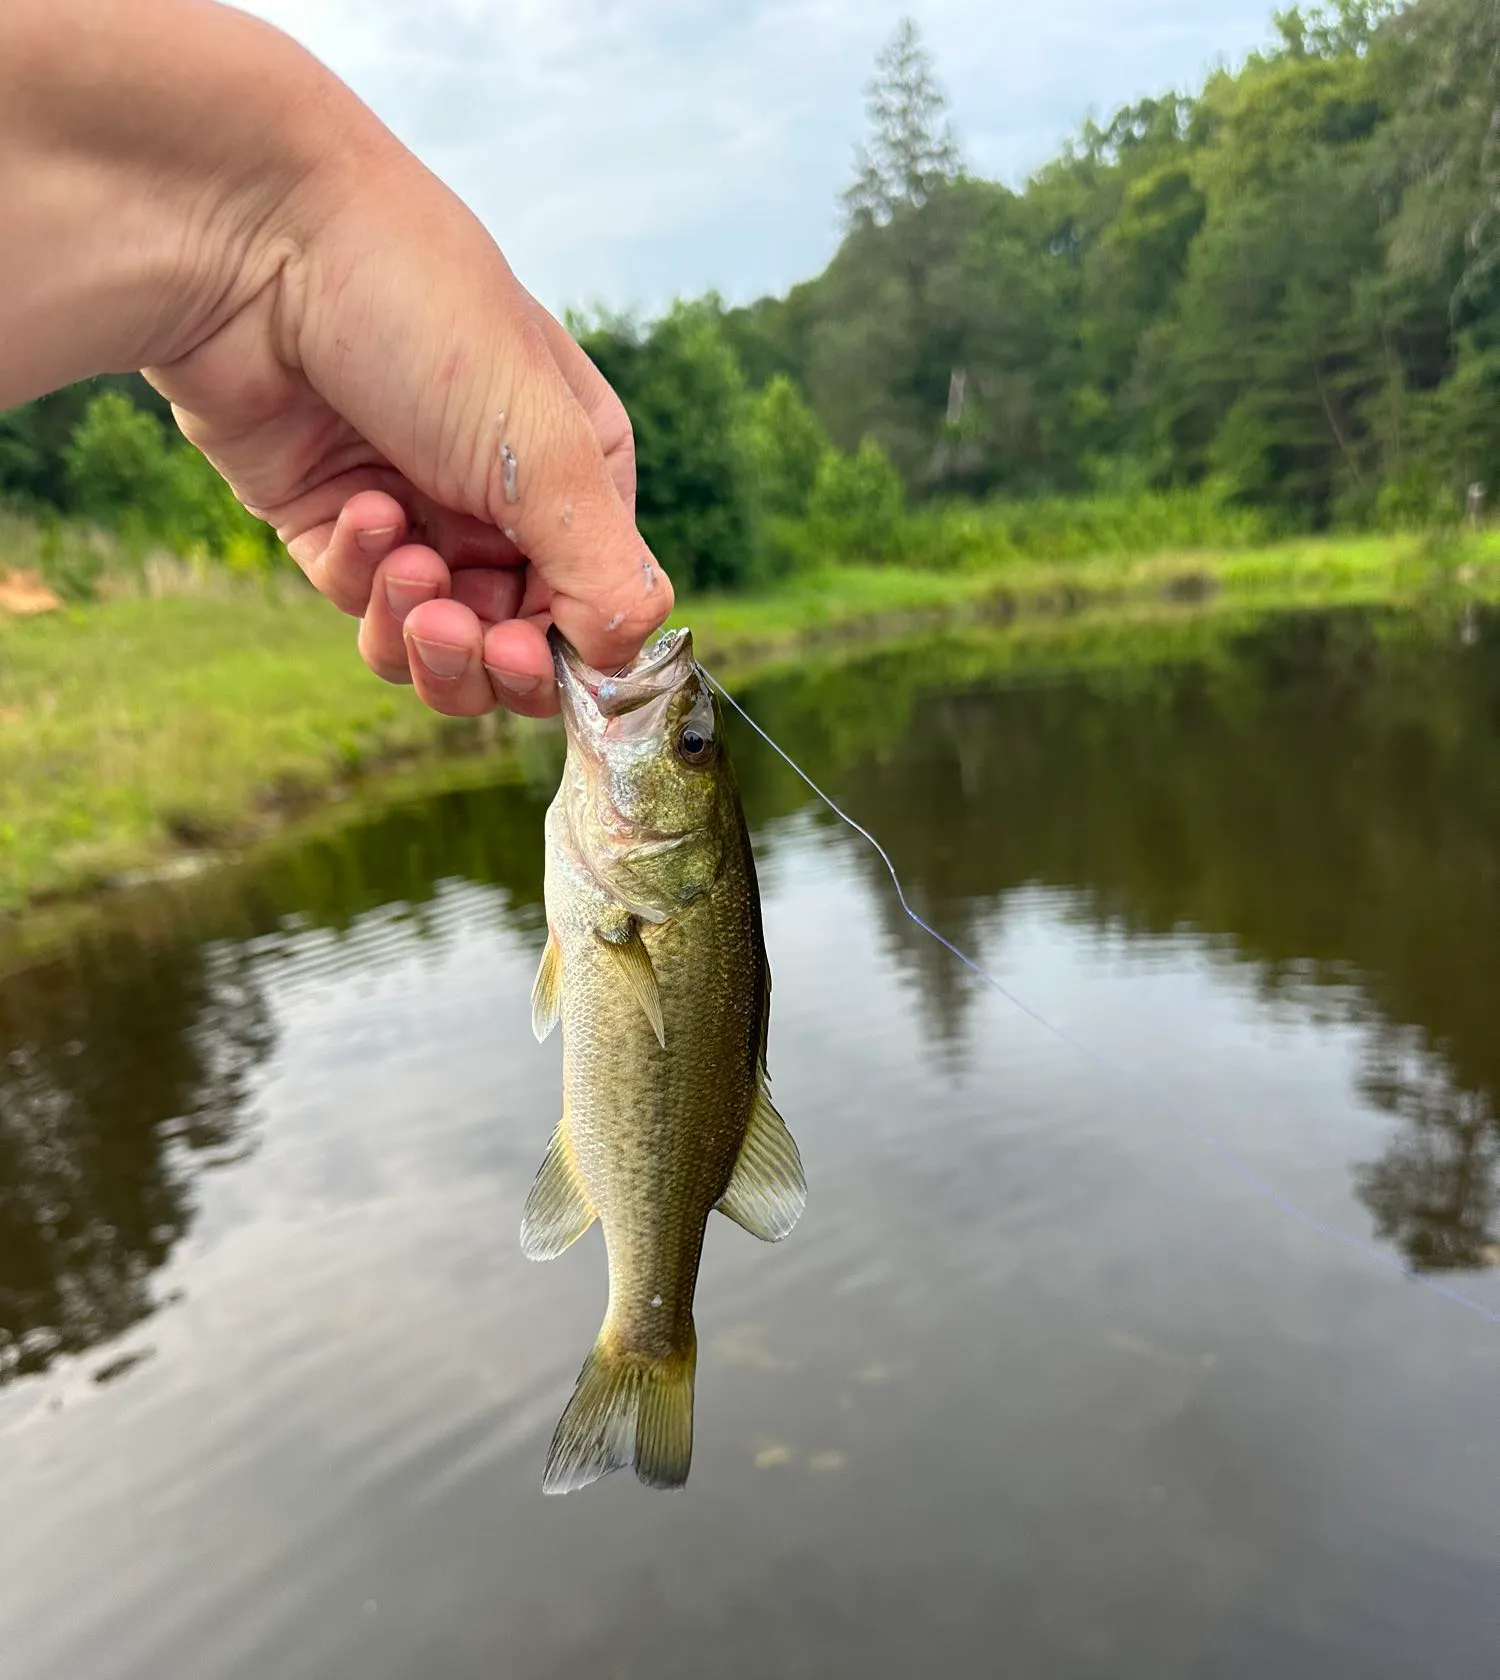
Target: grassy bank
column 857, row 601
column 140, row 732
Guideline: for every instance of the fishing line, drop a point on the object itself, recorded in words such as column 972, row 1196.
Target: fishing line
column 1194, row 1127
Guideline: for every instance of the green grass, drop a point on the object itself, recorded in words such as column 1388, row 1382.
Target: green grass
column 136, row 731
column 133, row 728
column 843, row 601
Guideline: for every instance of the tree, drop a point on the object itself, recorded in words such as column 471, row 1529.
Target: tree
column 118, row 459
column 1337, row 30
column 855, row 503
column 127, row 471
column 785, row 445
column 686, row 399
column 34, row 437
column 911, row 151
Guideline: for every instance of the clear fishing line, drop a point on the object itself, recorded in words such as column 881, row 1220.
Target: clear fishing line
column 1267, row 1191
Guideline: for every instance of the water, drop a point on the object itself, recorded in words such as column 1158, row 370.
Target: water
column 1038, row 1387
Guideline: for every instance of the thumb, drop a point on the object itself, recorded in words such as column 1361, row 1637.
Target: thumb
column 553, row 483
column 451, row 371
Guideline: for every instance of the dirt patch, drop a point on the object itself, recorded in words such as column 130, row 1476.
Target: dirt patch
column 23, row 594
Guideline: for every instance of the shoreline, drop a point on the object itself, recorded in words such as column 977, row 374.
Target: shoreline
column 118, row 813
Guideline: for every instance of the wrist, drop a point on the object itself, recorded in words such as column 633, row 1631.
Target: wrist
column 158, row 164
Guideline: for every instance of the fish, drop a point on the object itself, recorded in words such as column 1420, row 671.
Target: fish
column 655, row 966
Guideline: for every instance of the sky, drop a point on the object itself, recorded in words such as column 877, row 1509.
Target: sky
column 626, row 152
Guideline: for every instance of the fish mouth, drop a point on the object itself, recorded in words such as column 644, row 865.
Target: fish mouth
column 630, row 707
column 656, row 672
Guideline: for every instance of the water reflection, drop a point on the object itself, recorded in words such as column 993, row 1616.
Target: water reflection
column 1435, row 1190
column 109, row 1093
column 129, row 1055
column 1319, row 795
column 1318, row 798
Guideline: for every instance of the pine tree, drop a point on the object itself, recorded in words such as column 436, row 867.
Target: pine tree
column 911, row 151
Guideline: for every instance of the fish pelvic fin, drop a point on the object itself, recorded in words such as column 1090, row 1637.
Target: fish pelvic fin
column 558, row 1210
column 628, row 1409
column 767, row 1190
column 546, row 991
column 633, row 961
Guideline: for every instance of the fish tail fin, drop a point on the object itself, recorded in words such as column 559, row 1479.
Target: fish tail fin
column 629, row 1408
column 664, row 1423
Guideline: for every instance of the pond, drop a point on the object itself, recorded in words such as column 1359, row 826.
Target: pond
column 1054, row 1378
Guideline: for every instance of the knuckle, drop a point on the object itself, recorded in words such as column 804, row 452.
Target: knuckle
column 460, row 705
column 385, row 665
column 345, row 585
column 388, row 671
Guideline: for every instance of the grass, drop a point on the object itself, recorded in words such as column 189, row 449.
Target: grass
column 157, row 726
column 839, row 602
column 133, row 729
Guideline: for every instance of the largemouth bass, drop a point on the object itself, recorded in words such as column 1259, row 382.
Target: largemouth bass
column 655, row 964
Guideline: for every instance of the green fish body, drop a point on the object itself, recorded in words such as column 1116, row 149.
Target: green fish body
column 655, row 966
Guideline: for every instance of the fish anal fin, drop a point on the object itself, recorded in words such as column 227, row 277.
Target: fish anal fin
column 546, row 991
column 633, row 961
column 767, row 1190
column 627, row 1409
column 558, row 1210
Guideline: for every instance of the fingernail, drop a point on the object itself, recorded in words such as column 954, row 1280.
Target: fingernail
column 402, row 594
column 378, row 540
column 441, row 658
column 512, row 682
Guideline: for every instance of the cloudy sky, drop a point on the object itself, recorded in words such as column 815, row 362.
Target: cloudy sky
column 626, row 151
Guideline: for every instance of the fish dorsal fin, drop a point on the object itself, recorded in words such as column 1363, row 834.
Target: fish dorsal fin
column 546, row 992
column 634, row 963
column 767, row 1191
column 558, row 1210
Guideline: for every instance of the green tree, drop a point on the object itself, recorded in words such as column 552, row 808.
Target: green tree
column 856, row 504
column 1338, row 30
column 784, row 444
column 910, row 152
column 686, row 399
column 127, row 472
column 34, row 437
column 119, row 463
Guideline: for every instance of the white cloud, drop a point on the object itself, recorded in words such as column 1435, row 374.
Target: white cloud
column 629, row 150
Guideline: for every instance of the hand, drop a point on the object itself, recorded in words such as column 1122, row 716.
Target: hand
column 336, row 332
column 437, row 453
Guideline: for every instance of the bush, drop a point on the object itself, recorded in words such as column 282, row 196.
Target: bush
column 118, row 463
column 128, row 473
column 1417, row 500
column 856, row 505
column 856, row 515
column 784, row 444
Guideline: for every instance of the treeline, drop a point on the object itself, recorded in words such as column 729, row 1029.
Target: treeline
column 106, row 452
column 1270, row 305
column 1284, row 285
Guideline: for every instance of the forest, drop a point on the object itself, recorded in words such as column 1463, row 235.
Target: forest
column 1267, row 306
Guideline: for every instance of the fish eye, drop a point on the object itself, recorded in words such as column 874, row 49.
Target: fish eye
column 693, row 746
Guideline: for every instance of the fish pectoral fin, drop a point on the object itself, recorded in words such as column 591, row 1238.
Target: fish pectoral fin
column 634, row 963
column 558, row 1210
column 767, row 1191
column 546, row 992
